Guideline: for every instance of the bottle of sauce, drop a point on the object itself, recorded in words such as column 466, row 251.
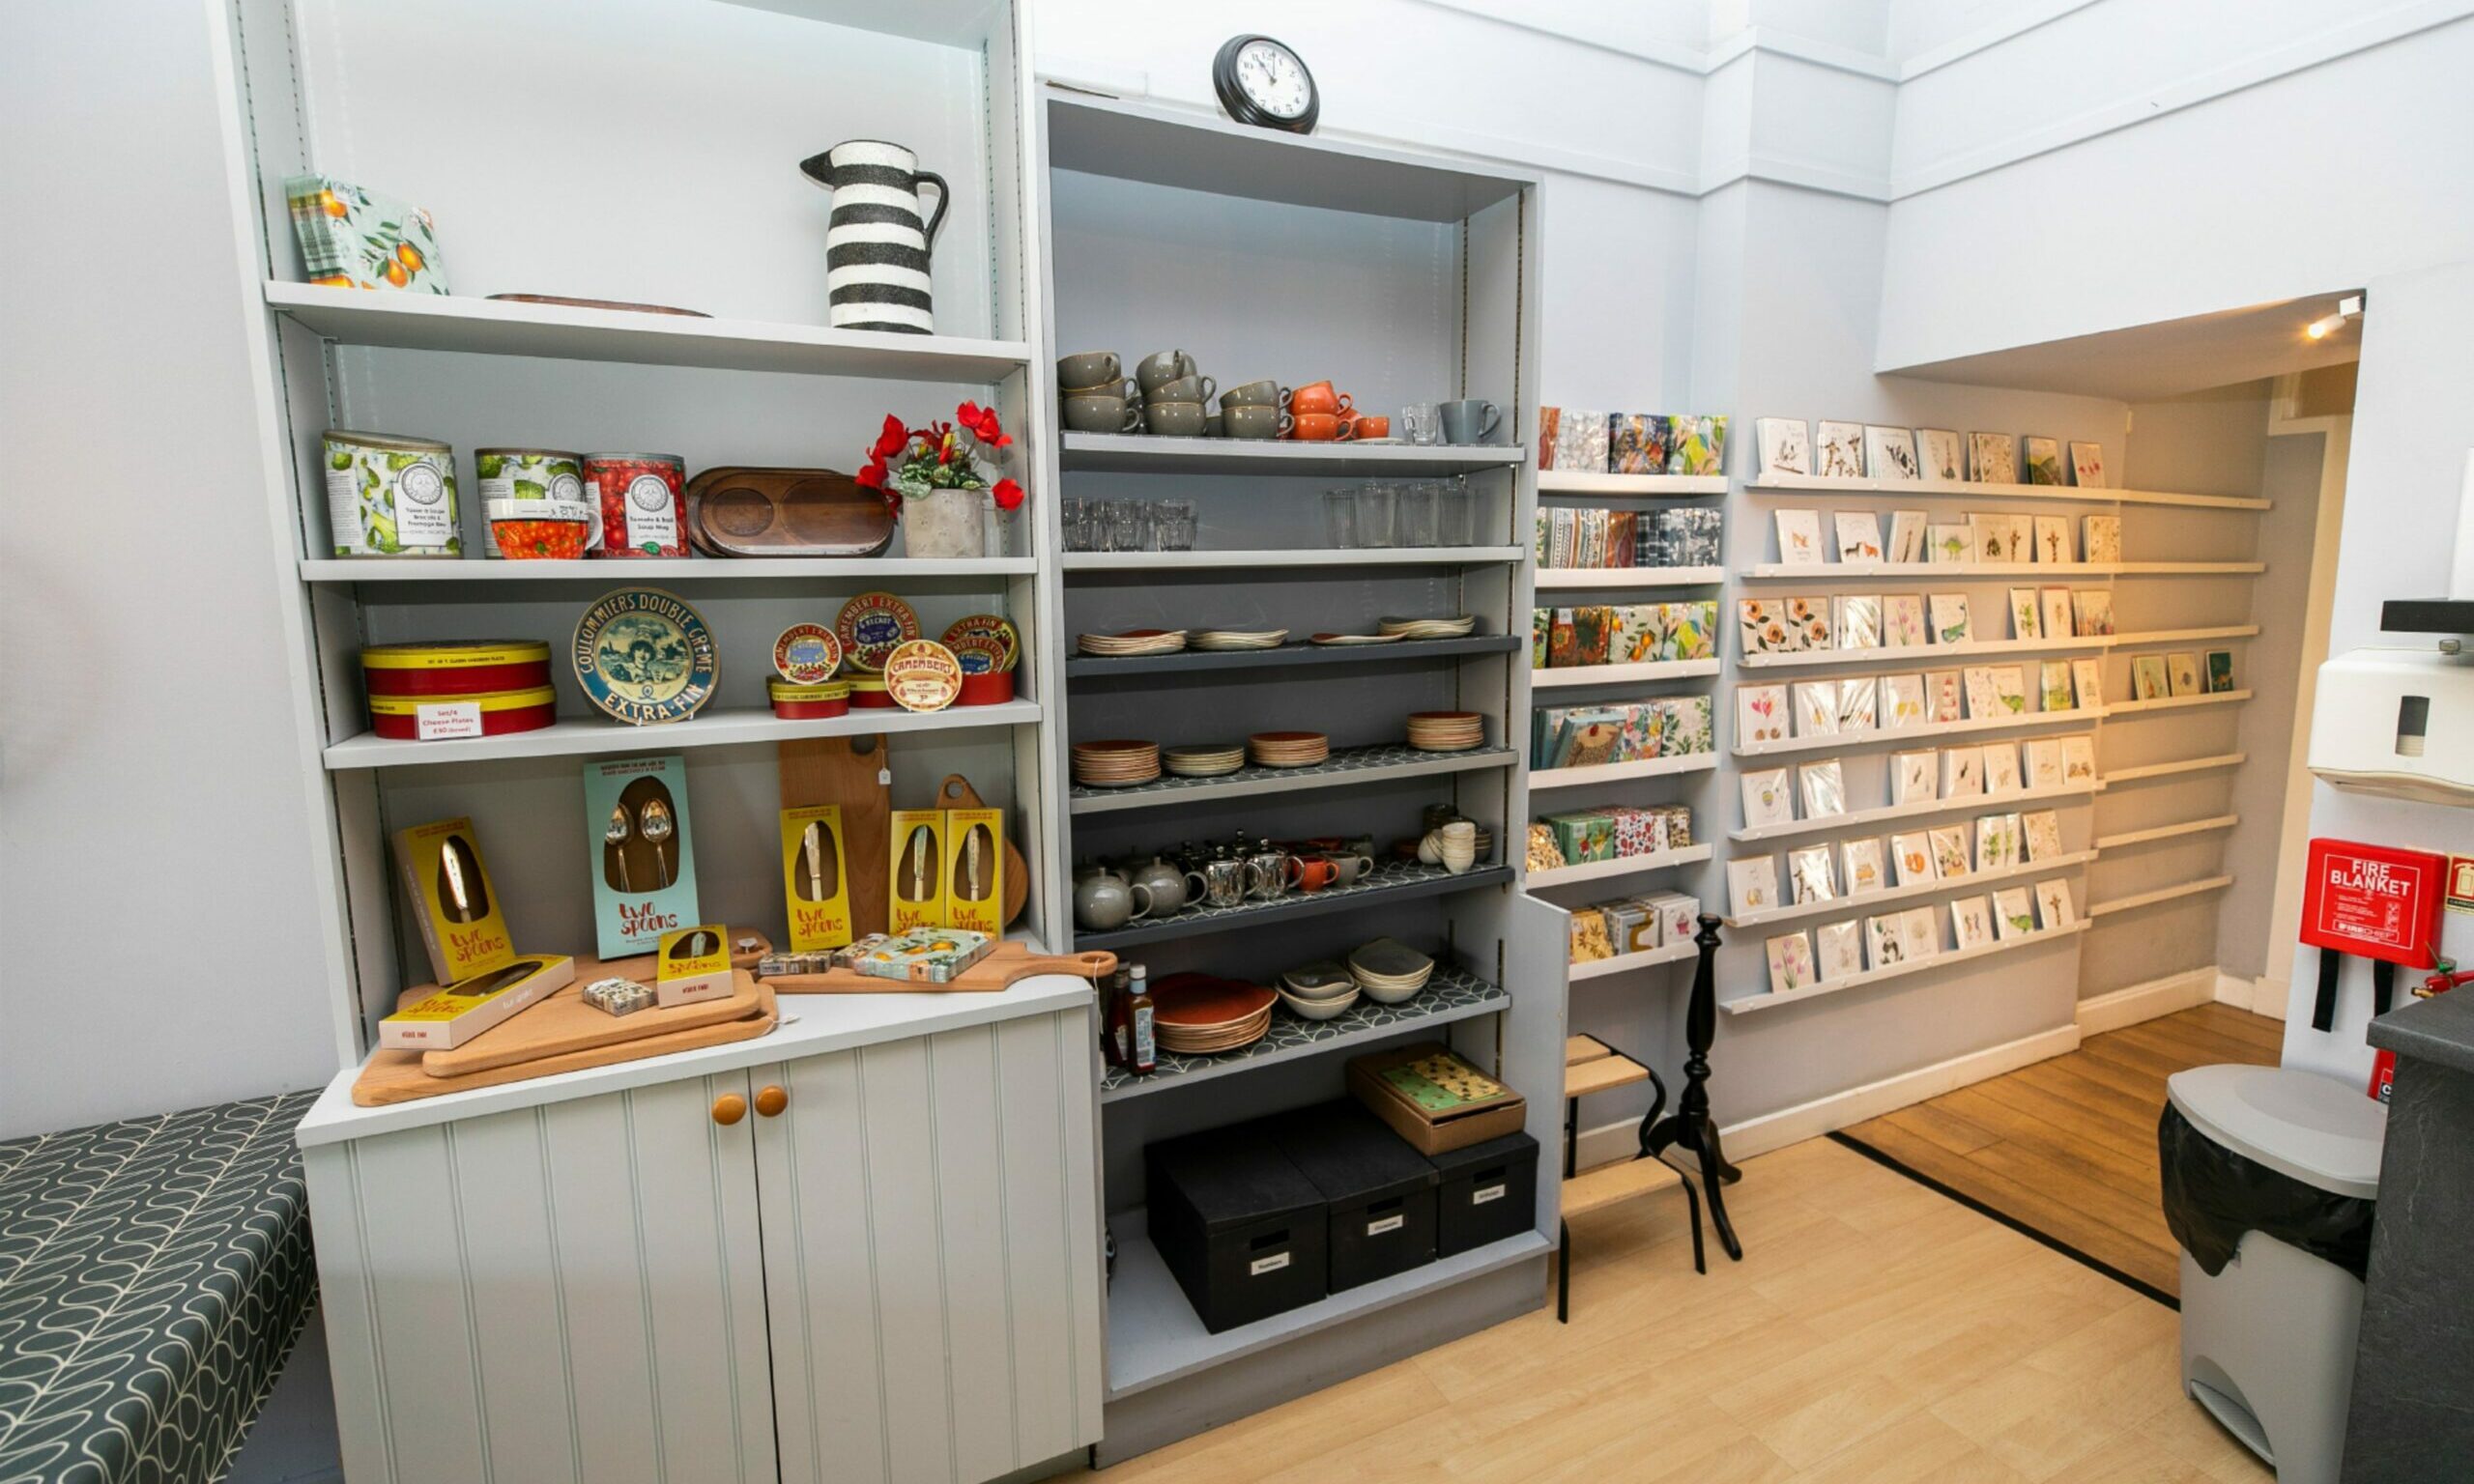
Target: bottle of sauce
column 1116, row 1029
column 1145, row 1049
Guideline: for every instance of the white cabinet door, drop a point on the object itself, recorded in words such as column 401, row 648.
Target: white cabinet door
column 931, row 1254
column 571, row 1292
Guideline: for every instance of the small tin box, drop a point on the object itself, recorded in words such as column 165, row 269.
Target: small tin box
column 930, row 956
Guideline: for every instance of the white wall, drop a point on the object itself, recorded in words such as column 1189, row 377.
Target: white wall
column 158, row 850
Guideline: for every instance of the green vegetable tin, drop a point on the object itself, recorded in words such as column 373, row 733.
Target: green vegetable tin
column 391, row 497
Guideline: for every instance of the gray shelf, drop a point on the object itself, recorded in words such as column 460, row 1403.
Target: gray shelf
column 1295, row 652
column 1390, row 881
column 1452, row 995
column 1346, row 765
column 1143, row 453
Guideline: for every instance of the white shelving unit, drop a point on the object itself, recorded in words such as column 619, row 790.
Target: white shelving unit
column 1887, row 736
column 1541, row 779
column 2205, row 826
column 2150, row 899
column 2176, row 702
column 662, row 572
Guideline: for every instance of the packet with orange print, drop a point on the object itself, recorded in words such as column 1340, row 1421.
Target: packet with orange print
column 355, row 239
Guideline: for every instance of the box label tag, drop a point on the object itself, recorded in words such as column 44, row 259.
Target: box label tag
column 1263, row 1265
column 435, row 721
column 1481, row 1197
column 1387, row 1224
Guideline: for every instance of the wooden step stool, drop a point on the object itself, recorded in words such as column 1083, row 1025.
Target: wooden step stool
column 1592, row 1066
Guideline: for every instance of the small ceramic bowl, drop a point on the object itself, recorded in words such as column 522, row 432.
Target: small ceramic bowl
column 1317, row 1010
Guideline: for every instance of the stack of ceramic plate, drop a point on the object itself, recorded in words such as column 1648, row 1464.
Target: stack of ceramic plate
column 1203, row 759
column 1239, row 639
column 1446, row 732
column 1427, row 628
column 1115, row 764
column 1390, row 971
column 1344, row 640
column 1134, row 641
column 1288, row 749
column 1201, row 1015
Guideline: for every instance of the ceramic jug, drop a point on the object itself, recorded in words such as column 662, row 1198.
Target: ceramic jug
column 1270, row 873
column 875, row 248
column 1104, row 900
column 1223, row 881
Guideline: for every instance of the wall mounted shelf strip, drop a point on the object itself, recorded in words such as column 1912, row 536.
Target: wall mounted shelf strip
column 2175, row 702
column 1348, row 765
column 1625, row 963
column 1616, row 772
column 1391, row 882
column 2170, row 769
column 1452, row 995
column 1800, row 659
column 1887, row 736
column 1143, row 453
column 2161, row 894
column 1864, row 906
column 1205, row 662
column 1780, row 999
column 1803, row 484
column 578, row 736
column 1620, row 866
column 658, row 571
column 1302, row 556
column 1581, row 481
column 1576, row 579
column 2167, row 831
column 1859, row 818
column 1616, row 674
column 1844, row 571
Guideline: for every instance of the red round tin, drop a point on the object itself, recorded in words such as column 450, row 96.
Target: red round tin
column 985, row 688
column 502, row 712
column 640, row 501
column 870, row 625
column 808, row 702
column 463, row 668
column 869, row 694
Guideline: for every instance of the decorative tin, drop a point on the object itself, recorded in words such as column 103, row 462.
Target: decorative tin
column 867, row 692
column 445, row 717
column 639, row 504
column 871, row 626
column 645, row 657
column 532, row 503
column 391, row 497
column 807, row 654
column 926, row 955
column 794, row 702
column 461, row 668
column 923, row 676
column 352, row 239
column 989, row 634
column 619, row 996
column 993, row 687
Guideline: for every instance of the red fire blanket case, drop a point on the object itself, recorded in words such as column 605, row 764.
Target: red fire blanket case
column 2376, row 900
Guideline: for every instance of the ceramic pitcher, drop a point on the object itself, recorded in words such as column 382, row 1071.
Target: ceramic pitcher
column 875, row 246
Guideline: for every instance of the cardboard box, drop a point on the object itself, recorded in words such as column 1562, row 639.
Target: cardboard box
column 693, row 965
column 452, row 1015
column 1433, row 1099
column 642, row 887
column 816, row 885
column 916, row 868
column 975, row 869
column 462, row 926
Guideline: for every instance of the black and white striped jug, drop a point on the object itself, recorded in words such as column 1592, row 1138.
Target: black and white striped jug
column 875, row 251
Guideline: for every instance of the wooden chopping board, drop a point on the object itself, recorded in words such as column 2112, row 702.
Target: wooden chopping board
column 403, row 1076
column 1011, row 960
column 956, row 793
column 563, row 1023
column 849, row 772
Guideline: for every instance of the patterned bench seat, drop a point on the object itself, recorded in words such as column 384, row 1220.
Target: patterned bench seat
column 153, row 1275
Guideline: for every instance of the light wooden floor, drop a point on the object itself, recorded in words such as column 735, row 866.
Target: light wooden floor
column 1874, row 1331
column 2068, row 1146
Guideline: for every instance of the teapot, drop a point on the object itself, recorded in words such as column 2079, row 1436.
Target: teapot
column 875, row 248
column 1165, row 885
column 1104, row 900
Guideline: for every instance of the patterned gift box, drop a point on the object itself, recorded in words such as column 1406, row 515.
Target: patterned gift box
column 1592, row 633
column 1544, row 853
column 1696, row 444
column 1580, row 440
column 1590, row 940
column 1639, row 831
column 1695, row 627
column 1685, row 726
column 1628, row 923
column 1550, row 422
column 1644, row 728
column 1635, row 443
column 1584, row 835
column 1676, row 914
column 1622, row 528
column 1638, row 633
column 1679, row 825
column 355, row 239
column 1541, row 627
column 1561, row 641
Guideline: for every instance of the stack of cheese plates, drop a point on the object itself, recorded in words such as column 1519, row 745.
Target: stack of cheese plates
column 1288, row 749
column 1201, row 1015
column 1427, row 628
column 1203, row 759
column 1390, row 970
column 1446, row 732
column 1134, row 641
column 1342, row 641
column 1239, row 639
column 1115, row 764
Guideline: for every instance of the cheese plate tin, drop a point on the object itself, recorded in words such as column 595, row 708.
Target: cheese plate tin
column 923, row 676
column 457, row 668
column 976, row 633
column 795, row 703
column 441, row 717
column 869, row 693
column 645, row 657
column 869, row 626
column 807, row 654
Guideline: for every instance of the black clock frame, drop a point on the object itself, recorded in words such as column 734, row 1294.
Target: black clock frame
column 1241, row 108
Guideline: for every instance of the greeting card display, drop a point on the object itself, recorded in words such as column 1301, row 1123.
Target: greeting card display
column 1907, row 535
column 1785, row 449
column 2055, row 603
column 1978, row 679
column 2009, row 691
column 1752, row 885
column 1903, row 621
column 1950, row 622
column 1799, row 538
column 1911, row 859
column 2079, row 759
column 2087, row 684
column 1950, row 847
column 1883, row 939
column 1856, row 622
column 1838, row 949
column 1859, row 704
column 1790, row 963
column 1962, row 772
column 2044, row 763
column 1824, row 789
column 2220, row 670
column 1890, row 453
column 1939, row 450
column 2053, row 907
column 1996, row 841
column 1808, row 875
column 1761, row 713
column 1902, row 702
column 2001, row 768
column 2148, row 680
column 2088, row 465
column 1766, row 799
column 2014, row 912
column 2056, row 677
column 1816, row 708
column 2182, row 674
column 2025, row 611
column 1838, row 450
column 2101, row 537
column 1859, row 535
column 1862, row 858
column 1971, row 921
column 1992, row 458
column 1943, row 694
column 1919, row 934
column 2052, row 538
column 1911, row 777
column 1948, row 543
column 2044, row 462
column 2041, row 833
column 2091, row 613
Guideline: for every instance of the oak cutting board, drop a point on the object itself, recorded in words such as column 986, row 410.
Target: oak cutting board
column 1010, row 960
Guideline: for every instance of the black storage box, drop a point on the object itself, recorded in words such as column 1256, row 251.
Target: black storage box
column 1487, row 1192
column 1237, row 1223
column 1378, row 1191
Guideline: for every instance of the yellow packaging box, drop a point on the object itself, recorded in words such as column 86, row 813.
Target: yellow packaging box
column 452, row 1015
column 461, row 924
column 693, row 964
column 813, row 885
column 917, row 898
column 975, row 869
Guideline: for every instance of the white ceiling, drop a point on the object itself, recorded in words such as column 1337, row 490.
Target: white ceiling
column 2148, row 362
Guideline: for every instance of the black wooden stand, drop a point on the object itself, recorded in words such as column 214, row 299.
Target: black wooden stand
column 1692, row 1127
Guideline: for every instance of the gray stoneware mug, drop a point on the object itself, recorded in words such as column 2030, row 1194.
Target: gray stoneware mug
column 1089, row 368
column 1175, row 420
column 1101, row 415
column 1185, row 389
column 1250, row 421
column 1264, row 393
column 1161, row 367
column 1470, row 420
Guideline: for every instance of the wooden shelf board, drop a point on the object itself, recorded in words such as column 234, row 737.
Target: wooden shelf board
column 1584, row 1048
column 2161, row 894
column 1969, row 488
column 1608, row 1185
column 1864, row 905
column 1619, row 674
column 2168, row 832
column 1780, row 999
column 1620, row 866
column 1603, row 1073
column 1616, row 772
column 1585, row 578
column 1862, row 817
column 1145, row 453
column 581, row 735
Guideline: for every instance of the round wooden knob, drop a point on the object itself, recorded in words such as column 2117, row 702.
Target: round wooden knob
column 729, row 1108
column 771, row 1100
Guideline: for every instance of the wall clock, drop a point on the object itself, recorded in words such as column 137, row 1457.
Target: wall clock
column 1262, row 82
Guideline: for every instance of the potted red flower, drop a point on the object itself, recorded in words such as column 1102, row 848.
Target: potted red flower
column 932, row 479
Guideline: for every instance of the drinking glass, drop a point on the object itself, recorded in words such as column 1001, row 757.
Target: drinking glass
column 1071, row 532
column 1456, row 514
column 1418, row 500
column 1175, row 525
column 1377, row 507
column 1422, row 423
column 1339, row 518
column 1125, row 525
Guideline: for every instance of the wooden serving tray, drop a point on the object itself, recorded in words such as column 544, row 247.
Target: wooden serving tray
column 738, row 510
column 1011, row 960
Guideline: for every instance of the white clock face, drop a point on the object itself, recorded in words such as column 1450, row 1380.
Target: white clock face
column 1274, row 79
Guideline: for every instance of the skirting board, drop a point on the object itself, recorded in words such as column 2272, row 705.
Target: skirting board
column 1839, row 1110
column 1164, row 1413
column 2186, row 990
column 2261, row 996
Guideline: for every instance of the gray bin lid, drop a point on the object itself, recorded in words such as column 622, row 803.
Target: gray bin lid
column 2314, row 1128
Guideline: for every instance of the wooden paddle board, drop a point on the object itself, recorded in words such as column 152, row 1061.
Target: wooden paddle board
column 398, row 1076
column 564, row 1023
column 851, row 771
column 1009, row 961
column 956, row 793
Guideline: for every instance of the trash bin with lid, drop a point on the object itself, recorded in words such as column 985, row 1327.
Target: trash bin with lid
column 2271, row 1177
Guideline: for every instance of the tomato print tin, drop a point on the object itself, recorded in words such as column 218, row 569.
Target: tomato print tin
column 794, row 702
column 391, row 497
column 641, row 499
column 807, row 654
column 645, row 657
column 922, row 674
column 462, row 667
column 445, row 717
column 871, row 626
column 534, row 505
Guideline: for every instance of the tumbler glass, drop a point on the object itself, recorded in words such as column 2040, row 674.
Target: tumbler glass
column 1125, row 525
column 1174, row 524
column 1422, row 423
column 1072, row 530
column 1456, row 514
column 1339, row 518
column 1378, row 504
column 1418, row 499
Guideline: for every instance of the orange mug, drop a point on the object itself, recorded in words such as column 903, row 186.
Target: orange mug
column 1313, row 873
column 1320, row 428
column 1319, row 397
column 1371, row 427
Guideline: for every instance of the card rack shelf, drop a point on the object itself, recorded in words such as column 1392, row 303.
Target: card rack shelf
column 1909, row 654
column 2146, row 771
column 1884, row 736
column 1811, row 484
column 1541, row 779
column 1861, row 818
column 2176, row 702
column 1835, row 572
column 1581, row 481
column 2207, row 827
column 1864, row 906
column 1620, row 866
column 1780, row 999
column 2161, row 894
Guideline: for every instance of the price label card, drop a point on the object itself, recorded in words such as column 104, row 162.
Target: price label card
column 438, row 721
column 2374, row 900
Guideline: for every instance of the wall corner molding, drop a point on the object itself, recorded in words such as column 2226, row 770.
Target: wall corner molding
column 2163, row 997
